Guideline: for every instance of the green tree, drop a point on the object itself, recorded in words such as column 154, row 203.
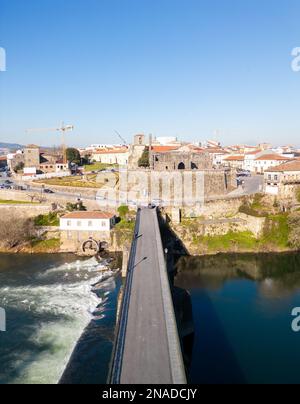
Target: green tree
column 19, row 167
column 144, row 160
column 75, row 206
column 123, row 211
column 73, row 155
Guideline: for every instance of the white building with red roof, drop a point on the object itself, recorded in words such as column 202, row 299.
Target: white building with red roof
column 111, row 156
column 279, row 179
column 80, row 228
column 266, row 161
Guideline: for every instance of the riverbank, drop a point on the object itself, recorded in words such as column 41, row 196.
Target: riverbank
column 258, row 226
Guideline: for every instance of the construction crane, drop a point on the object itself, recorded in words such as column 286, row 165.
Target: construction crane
column 123, row 140
column 63, row 129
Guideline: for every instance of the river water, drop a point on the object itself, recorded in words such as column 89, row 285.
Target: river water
column 49, row 303
column 242, row 308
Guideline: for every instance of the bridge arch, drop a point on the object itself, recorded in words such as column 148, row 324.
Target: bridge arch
column 181, row 166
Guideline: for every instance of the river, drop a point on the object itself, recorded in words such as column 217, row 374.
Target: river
column 242, row 308
column 49, row 303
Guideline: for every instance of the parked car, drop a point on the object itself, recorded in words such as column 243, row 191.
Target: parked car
column 48, row 191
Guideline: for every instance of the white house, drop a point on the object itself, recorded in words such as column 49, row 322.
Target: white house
column 87, row 221
column 76, row 228
column 112, row 156
column 282, row 176
column 267, row 161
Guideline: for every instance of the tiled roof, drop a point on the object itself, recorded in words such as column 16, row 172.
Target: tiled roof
column 234, row 158
column 88, row 215
column 162, row 149
column 112, row 151
column 290, row 166
column 271, row 157
column 216, row 150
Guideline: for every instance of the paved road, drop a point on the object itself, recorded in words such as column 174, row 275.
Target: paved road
column 253, row 185
column 147, row 356
column 39, row 190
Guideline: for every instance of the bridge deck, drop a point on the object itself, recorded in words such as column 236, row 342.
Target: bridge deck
column 151, row 352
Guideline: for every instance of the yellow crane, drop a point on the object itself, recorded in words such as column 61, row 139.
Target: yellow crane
column 62, row 129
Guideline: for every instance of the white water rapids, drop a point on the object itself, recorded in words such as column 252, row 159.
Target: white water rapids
column 49, row 314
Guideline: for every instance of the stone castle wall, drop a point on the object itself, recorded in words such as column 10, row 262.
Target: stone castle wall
column 181, row 161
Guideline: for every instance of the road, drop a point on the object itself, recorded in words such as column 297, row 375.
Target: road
column 40, row 190
column 253, row 185
column 147, row 356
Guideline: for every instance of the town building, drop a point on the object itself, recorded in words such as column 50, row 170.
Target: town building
column 14, row 160
column 118, row 156
column 267, row 161
column 81, row 228
column 187, row 157
column 234, row 161
column 282, row 179
column 32, row 156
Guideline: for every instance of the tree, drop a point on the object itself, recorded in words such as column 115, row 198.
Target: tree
column 144, row 160
column 15, row 230
column 123, row 211
column 19, row 167
column 75, row 206
column 73, row 155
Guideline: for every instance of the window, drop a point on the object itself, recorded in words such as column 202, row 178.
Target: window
column 78, row 223
column 103, row 223
column 69, row 223
column 276, row 177
column 90, row 223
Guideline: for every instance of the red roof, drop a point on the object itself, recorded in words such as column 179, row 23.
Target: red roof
column 3, row 158
column 162, row 149
column 290, row 166
column 274, row 156
column 88, row 215
column 234, row 158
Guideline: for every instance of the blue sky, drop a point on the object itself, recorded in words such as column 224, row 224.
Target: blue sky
column 167, row 67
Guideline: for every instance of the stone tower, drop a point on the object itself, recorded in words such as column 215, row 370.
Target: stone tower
column 32, row 156
column 136, row 150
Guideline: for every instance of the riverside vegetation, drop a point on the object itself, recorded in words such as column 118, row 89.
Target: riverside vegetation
column 41, row 234
column 280, row 233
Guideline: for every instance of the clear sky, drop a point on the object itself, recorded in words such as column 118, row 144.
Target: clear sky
column 166, row 67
